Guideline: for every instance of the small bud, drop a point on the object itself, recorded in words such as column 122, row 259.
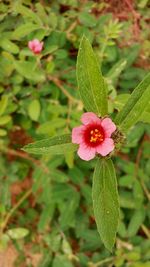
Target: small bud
column 35, row 46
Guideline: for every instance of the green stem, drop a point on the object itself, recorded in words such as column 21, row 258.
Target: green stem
column 12, row 211
column 104, row 46
column 58, row 83
column 103, row 49
column 100, row 263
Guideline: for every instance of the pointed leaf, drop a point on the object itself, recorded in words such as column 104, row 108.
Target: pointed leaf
column 3, row 132
column 90, row 80
column 136, row 221
column 5, row 119
column 34, row 109
column 24, row 30
column 9, row 46
column 3, row 104
column 27, row 13
column 105, row 201
column 18, row 233
column 145, row 117
column 55, row 145
column 135, row 106
column 116, row 70
column 29, row 71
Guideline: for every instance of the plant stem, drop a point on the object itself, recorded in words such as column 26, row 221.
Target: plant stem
column 57, row 82
column 71, row 28
column 100, row 263
column 146, row 231
column 11, row 212
column 104, row 46
column 24, row 155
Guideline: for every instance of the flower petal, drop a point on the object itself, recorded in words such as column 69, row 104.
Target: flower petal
column 108, row 126
column 89, row 117
column 30, row 45
column 86, row 153
column 77, row 135
column 106, row 147
column 36, row 42
column 37, row 49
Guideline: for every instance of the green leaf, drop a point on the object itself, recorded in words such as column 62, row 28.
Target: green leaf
column 105, row 201
column 42, row 14
column 66, row 247
column 49, row 126
column 18, row 233
column 34, row 109
column 46, row 260
column 24, row 30
column 3, row 132
column 90, row 80
column 56, row 145
column 9, row 46
column 138, row 194
column 120, row 101
column 27, row 13
column 59, row 176
column 62, row 260
column 136, row 221
column 135, row 106
column 5, row 119
column 127, row 201
column 145, row 117
column 46, row 216
column 3, row 104
column 49, row 49
column 87, row 19
column 67, row 216
column 29, row 71
column 116, row 69
column 5, row 240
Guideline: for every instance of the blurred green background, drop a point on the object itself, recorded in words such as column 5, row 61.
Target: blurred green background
column 46, row 213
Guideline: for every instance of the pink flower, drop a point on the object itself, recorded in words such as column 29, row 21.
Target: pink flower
column 35, row 46
column 94, row 136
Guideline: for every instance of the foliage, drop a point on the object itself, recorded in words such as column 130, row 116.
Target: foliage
column 39, row 100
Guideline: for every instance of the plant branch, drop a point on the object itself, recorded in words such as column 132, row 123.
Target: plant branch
column 24, row 155
column 146, row 231
column 71, row 28
column 138, row 158
column 11, row 212
column 100, row 263
column 58, row 83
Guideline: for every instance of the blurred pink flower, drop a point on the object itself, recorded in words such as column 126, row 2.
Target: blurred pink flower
column 35, row 46
column 93, row 136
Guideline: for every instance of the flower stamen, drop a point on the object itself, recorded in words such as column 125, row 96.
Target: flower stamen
column 96, row 136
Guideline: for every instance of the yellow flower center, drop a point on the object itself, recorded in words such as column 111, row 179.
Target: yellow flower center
column 96, row 136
